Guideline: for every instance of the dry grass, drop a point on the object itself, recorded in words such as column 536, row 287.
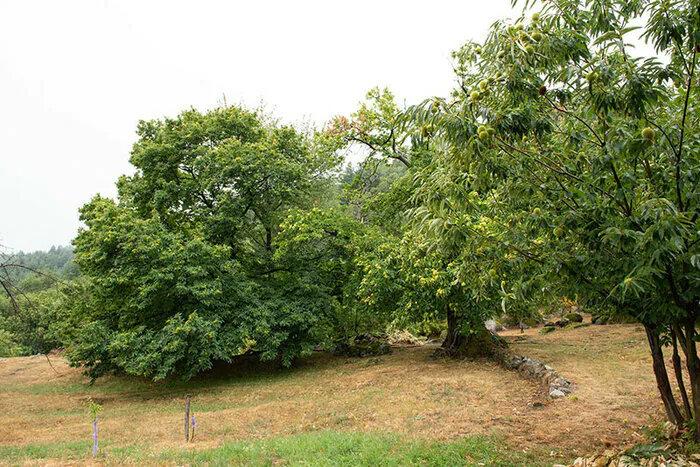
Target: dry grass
column 406, row 393
column 616, row 389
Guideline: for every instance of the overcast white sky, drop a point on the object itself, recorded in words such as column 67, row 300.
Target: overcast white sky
column 77, row 76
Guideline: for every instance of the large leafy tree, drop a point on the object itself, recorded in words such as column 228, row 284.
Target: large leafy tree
column 225, row 174
column 181, row 270
column 567, row 161
column 415, row 274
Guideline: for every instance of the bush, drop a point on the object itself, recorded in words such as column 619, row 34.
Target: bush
column 8, row 345
column 35, row 326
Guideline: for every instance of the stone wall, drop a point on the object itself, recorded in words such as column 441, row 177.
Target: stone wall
column 555, row 385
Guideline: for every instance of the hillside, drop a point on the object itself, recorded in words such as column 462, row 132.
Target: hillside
column 398, row 409
column 57, row 261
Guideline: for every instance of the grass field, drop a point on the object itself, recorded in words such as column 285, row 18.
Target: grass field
column 399, row 409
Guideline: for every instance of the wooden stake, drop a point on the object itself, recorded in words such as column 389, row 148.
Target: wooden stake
column 187, row 418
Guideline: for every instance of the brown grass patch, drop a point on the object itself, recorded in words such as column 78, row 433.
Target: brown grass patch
column 616, row 390
column 406, row 393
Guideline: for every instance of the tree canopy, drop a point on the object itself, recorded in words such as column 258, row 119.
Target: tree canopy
column 182, row 266
column 562, row 155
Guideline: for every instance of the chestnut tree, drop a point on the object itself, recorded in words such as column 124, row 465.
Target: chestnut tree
column 566, row 159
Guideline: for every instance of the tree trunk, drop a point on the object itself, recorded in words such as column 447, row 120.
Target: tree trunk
column 454, row 339
column 268, row 239
column 672, row 411
column 479, row 344
column 678, row 370
column 693, row 365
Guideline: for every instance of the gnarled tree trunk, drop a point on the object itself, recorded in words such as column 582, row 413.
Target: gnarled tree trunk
column 454, row 339
column 481, row 344
column 672, row 411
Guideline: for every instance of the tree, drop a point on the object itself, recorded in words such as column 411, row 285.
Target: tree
column 564, row 156
column 412, row 274
column 181, row 270
column 329, row 248
column 226, row 174
column 30, row 314
column 57, row 261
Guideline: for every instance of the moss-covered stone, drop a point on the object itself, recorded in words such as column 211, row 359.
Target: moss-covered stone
column 600, row 319
column 365, row 345
column 576, row 325
column 574, row 317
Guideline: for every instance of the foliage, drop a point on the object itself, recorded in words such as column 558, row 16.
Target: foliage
column 378, row 193
column 181, row 270
column 36, row 283
column 35, row 324
column 406, row 276
column 223, row 174
column 564, row 156
column 29, row 317
column 375, row 129
column 328, row 248
column 57, row 262
column 8, row 345
column 94, row 409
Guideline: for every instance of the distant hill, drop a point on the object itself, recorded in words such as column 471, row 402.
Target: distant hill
column 57, row 261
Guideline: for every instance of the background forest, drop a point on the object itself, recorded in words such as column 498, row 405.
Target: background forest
column 562, row 165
